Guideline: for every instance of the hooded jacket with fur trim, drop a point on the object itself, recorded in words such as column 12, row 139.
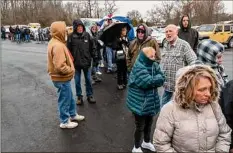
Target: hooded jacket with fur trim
column 195, row 128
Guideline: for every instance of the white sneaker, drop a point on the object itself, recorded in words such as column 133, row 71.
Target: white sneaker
column 101, row 65
column 68, row 125
column 137, row 149
column 77, row 118
column 98, row 73
column 148, row 145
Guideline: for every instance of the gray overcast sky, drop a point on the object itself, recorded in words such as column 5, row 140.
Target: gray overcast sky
column 143, row 6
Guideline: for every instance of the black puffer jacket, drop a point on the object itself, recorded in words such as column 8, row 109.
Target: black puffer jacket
column 81, row 46
column 226, row 103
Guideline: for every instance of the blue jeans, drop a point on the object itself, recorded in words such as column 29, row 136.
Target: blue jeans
column 167, row 96
column 66, row 103
column 77, row 78
column 109, row 53
column 27, row 37
column 18, row 37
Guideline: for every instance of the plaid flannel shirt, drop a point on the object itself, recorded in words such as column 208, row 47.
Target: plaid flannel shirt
column 174, row 57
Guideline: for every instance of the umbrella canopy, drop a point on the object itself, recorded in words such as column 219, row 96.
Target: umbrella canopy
column 111, row 32
column 131, row 34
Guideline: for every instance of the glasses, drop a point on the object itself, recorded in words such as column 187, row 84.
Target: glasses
column 141, row 31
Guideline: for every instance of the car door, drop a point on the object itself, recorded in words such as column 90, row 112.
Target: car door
column 218, row 34
column 227, row 33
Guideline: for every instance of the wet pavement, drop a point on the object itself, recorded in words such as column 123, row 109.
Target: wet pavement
column 29, row 118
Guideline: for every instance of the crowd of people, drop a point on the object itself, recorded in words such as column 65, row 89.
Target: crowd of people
column 196, row 110
column 25, row 34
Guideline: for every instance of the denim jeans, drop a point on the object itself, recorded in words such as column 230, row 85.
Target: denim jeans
column 18, row 37
column 167, row 95
column 109, row 53
column 66, row 103
column 27, row 37
column 77, row 78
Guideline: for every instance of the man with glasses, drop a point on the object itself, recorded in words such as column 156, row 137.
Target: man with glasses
column 141, row 41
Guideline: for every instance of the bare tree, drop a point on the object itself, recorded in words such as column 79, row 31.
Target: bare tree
column 154, row 15
column 110, row 6
column 206, row 10
column 134, row 14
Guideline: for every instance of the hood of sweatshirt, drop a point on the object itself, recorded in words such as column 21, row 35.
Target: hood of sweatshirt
column 181, row 24
column 58, row 31
column 76, row 23
column 144, row 27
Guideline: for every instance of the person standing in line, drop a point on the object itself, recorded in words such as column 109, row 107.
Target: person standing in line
column 143, row 40
column 82, row 48
column 193, row 121
column 143, row 98
column 97, row 55
column 61, row 70
column 176, row 54
column 210, row 52
column 187, row 33
column 121, row 45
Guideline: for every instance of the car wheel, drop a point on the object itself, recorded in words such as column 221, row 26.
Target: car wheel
column 230, row 44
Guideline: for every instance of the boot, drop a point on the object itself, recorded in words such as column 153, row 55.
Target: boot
column 91, row 99
column 79, row 100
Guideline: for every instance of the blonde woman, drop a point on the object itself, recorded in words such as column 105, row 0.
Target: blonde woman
column 143, row 99
column 193, row 120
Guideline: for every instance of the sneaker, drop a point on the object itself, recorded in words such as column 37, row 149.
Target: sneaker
column 91, row 99
column 68, row 125
column 77, row 118
column 93, row 82
column 79, row 100
column 98, row 79
column 137, row 149
column 148, row 145
column 124, row 85
column 120, row 87
column 109, row 71
column 101, row 65
column 98, row 72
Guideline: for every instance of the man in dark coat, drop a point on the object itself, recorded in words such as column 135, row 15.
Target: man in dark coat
column 187, row 33
column 82, row 49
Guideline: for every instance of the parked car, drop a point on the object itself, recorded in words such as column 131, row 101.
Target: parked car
column 222, row 33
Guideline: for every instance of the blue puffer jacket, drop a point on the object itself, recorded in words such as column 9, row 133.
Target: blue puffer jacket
column 146, row 76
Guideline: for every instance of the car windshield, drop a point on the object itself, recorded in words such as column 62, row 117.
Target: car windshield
column 206, row 28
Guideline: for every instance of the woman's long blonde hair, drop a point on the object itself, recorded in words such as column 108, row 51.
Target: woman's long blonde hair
column 187, row 82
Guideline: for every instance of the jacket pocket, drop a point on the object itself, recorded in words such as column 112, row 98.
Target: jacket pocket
column 211, row 143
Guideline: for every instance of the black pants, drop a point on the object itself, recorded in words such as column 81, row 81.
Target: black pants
column 121, row 72
column 143, row 126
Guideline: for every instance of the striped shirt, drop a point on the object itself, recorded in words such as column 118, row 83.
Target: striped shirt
column 174, row 57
